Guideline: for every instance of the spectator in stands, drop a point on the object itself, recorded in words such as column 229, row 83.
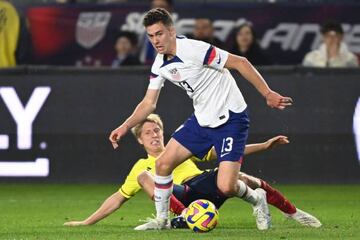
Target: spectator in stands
column 147, row 52
column 9, row 34
column 246, row 45
column 167, row 4
column 65, row 1
column 125, row 47
column 333, row 52
column 204, row 31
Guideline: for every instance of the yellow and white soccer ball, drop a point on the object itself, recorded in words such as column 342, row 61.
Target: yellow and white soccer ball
column 202, row 216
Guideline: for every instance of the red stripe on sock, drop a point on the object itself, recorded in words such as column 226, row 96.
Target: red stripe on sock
column 164, row 186
column 276, row 199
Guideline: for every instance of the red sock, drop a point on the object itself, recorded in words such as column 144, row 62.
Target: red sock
column 176, row 206
column 276, row 199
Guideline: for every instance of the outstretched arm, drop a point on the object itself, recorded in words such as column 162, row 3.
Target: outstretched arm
column 271, row 143
column 247, row 70
column 255, row 147
column 143, row 109
column 110, row 205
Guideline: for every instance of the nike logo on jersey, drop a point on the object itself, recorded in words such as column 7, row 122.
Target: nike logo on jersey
column 224, row 154
column 219, row 60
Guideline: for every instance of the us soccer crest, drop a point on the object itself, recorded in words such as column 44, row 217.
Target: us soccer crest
column 175, row 74
column 91, row 28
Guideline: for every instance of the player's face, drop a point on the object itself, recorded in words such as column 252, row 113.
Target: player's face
column 152, row 137
column 163, row 38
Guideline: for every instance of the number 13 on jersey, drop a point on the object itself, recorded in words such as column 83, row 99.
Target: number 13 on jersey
column 226, row 146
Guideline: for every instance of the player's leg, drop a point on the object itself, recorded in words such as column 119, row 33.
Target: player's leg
column 227, row 179
column 273, row 196
column 173, row 155
column 177, row 206
column 256, row 198
column 277, row 199
column 229, row 143
column 146, row 181
column 202, row 186
column 251, row 181
column 188, row 140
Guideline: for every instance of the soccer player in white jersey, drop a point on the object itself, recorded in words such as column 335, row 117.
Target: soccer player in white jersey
column 220, row 118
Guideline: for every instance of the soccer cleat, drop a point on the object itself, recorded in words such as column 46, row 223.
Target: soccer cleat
column 179, row 222
column 261, row 211
column 304, row 218
column 154, row 224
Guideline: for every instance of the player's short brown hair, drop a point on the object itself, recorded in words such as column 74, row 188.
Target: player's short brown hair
column 157, row 15
column 154, row 118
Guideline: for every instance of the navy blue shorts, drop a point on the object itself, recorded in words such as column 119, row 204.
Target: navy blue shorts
column 202, row 186
column 228, row 139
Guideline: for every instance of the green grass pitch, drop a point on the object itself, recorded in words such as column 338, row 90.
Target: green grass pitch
column 37, row 211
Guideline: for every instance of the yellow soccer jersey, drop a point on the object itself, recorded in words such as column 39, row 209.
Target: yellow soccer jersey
column 181, row 173
column 206, row 158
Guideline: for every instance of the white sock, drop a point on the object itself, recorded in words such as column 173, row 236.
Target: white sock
column 247, row 193
column 162, row 192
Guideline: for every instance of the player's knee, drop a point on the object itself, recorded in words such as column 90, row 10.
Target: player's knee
column 162, row 167
column 243, row 177
column 250, row 181
column 228, row 189
column 141, row 178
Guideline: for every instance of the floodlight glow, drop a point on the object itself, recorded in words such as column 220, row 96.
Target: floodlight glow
column 356, row 125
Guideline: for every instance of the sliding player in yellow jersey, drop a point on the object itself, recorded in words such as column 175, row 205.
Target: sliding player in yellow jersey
column 149, row 133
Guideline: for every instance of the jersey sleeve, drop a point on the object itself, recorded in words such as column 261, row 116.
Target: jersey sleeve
column 155, row 80
column 209, row 55
column 130, row 187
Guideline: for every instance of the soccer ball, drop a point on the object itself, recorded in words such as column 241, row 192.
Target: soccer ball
column 201, row 216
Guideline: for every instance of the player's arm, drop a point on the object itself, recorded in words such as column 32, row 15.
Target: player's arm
column 110, row 205
column 271, row 143
column 247, row 70
column 254, row 147
column 143, row 109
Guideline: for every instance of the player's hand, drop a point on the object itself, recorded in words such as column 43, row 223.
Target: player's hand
column 275, row 100
column 275, row 141
column 74, row 223
column 117, row 134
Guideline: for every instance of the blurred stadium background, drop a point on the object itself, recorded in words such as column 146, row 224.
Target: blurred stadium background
column 61, row 99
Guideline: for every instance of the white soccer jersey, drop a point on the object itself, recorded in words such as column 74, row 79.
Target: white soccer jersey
column 198, row 68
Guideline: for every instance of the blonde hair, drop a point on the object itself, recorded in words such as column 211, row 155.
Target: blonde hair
column 154, row 118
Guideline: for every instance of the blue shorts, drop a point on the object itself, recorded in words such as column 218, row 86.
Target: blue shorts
column 228, row 139
column 202, row 186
